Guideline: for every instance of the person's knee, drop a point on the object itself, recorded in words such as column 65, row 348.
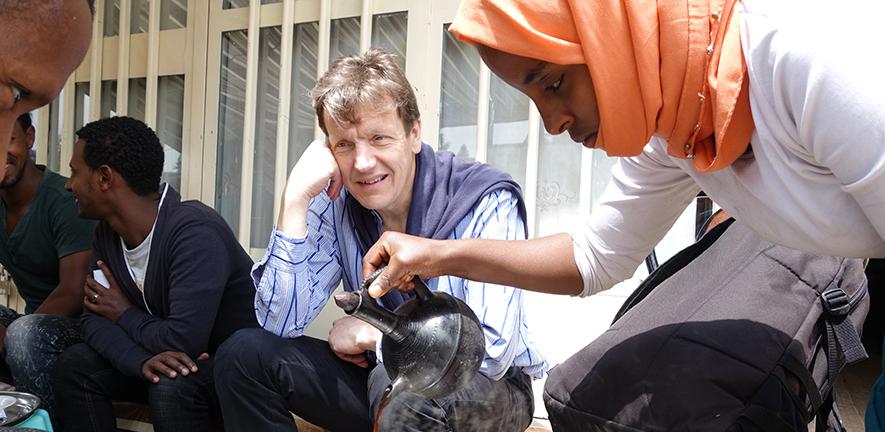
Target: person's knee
column 71, row 364
column 25, row 338
column 408, row 411
column 180, row 388
column 241, row 354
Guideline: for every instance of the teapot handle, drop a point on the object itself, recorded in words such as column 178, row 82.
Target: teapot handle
column 421, row 290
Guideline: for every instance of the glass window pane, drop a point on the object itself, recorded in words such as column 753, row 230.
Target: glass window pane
column 170, row 114
column 232, row 4
column 389, row 32
column 458, row 102
column 35, row 123
column 559, row 184
column 138, row 16
column 344, row 38
column 173, row 14
column 508, row 129
column 53, row 158
column 111, row 17
column 137, row 93
column 232, row 103
column 108, row 99
column 267, row 106
column 81, row 105
column 601, row 175
column 270, row 1
column 304, row 72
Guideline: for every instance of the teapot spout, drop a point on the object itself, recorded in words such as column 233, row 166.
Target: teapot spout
column 396, row 387
column 364, row 307
column 348, row 301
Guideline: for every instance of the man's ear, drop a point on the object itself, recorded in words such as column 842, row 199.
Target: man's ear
column 415, row 136
column 29, row 138
column 105, row 177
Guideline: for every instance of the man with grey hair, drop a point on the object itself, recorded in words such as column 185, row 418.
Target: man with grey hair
column 41, row 43
column 373, row 174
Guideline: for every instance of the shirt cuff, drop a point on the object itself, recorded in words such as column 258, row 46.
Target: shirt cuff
column 134, row 363
column 284, row 252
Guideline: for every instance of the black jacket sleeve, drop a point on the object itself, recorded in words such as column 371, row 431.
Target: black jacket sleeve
column 112, row 343
column 107, row 338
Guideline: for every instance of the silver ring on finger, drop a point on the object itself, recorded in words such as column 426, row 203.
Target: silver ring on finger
column 93, row 298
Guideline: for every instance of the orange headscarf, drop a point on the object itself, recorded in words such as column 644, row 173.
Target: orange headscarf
column 672, row 68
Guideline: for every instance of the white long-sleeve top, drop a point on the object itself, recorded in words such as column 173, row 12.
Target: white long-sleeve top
column 814, row 177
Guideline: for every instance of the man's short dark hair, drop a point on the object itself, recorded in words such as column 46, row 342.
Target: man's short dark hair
column 25, row 121
column 128, row 146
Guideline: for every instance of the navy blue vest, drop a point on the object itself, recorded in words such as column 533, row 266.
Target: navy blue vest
column 445, row 190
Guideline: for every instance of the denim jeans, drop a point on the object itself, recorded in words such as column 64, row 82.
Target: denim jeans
column 262, row 377
column 32, row 346
column 86, row 384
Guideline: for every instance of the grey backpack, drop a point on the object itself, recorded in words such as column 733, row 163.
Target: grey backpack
column 732, row 334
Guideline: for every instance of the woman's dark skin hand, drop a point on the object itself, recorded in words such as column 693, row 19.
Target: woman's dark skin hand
column 405, row 256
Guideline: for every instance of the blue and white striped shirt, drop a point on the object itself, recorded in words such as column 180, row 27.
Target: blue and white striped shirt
column 297, row 276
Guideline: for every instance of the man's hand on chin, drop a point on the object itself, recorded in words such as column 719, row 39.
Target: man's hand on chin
column 314, row 172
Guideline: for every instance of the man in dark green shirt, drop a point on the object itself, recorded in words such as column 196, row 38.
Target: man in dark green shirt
column 45, row 246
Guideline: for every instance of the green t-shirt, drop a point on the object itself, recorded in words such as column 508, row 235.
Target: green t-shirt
column 50, row 230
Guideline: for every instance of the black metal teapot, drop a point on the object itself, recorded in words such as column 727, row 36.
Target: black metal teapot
column 433, row 344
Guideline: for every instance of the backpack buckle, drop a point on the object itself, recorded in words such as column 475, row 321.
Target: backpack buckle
column 836, row 302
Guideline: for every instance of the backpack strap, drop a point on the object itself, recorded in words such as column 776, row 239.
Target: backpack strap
column 828, row 418
column 798, row 370
column 843, row 347
column 843, row 342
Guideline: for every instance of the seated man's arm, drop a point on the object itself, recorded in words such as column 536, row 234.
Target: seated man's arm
column 72, row 237
column 106, row 337
column 67, row 298
column 112, row 343
column 297, row 275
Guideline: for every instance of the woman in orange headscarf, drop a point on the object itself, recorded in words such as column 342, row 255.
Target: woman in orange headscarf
column 674, row 69
column 776, row 109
